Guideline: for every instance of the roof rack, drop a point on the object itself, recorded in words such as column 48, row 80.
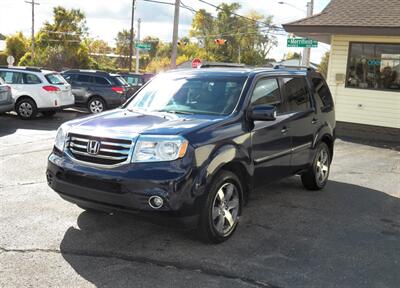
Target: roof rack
column 228, row 65
column 86, row 71
column 279, row 66
column 33, row 69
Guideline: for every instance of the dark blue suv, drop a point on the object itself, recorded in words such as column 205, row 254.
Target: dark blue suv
column 193, row 144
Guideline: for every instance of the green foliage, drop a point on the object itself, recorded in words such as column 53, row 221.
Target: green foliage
column 292, row 55
column 2, row 37
column 17, row 46
column 324, row 65
column 3, row 58
column 154, row 42
column 122, row 48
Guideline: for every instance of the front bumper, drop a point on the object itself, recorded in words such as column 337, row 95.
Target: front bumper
column 6, row 107
column 127, row 187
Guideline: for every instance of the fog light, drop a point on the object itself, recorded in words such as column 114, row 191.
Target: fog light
column 156, row 202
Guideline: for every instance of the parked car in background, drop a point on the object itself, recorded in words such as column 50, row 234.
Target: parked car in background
column 136, row 81
column 6, row 100
column 193, row 144
column 97, row 90
column 35, row 90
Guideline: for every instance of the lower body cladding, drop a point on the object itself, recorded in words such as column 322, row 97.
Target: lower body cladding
column 158, row 190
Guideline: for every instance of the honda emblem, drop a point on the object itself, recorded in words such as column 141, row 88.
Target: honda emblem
column 93, row 147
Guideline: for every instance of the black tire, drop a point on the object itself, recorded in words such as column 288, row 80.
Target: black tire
column 208, row 224
column 26, row 109
column 315, row 178
column 49, row 113
column 96, row 105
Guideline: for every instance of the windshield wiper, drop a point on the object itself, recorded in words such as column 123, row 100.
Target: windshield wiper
column 177, row 112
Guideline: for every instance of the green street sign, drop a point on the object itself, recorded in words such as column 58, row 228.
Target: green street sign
column 302, row 43
column 143, row 46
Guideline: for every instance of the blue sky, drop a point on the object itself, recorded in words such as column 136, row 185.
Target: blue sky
column 106, row 18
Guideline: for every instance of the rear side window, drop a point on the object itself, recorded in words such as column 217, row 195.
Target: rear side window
column 132, row 80
column 84, row 78
column 55, row 79
column 120, row 81
column 12, row 77
column 296, row 94
column 31, row 79
column 101, row 81
column 323, row 92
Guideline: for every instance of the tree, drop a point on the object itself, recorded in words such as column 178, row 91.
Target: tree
column 98, row 50
column 2, row 37
column 17, row 46
column 122, row 42
column 59, row 44
column 154, row 43
column 324, row 65
column 292, row 55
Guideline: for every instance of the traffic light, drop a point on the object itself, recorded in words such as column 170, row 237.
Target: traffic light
column 220, row 41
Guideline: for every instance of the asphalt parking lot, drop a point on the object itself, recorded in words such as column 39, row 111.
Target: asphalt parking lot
column 345, row 236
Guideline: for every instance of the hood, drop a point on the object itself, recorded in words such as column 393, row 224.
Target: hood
column 129, row 123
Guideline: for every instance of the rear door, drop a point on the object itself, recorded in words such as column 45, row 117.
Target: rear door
column 80, row 84
column 271, row 144
column 303, row 120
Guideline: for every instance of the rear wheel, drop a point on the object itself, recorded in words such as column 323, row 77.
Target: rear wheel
column 317, row 175
column 220, row 215
column 26, row 109
column 96, row 105
column 50, row 113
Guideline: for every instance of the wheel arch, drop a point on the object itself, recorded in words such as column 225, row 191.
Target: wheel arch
column 22, row 97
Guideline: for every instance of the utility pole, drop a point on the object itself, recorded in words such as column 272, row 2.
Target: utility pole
column 33, row 3
column 138, row 42
column 175, row 35
column 131, row 36
column 307, row 51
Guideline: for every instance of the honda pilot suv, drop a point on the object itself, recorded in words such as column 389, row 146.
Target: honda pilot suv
column 194, row 144
column 97, row 90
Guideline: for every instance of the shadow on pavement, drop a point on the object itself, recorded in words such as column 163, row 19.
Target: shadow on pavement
column 10, row 122
column 344, row 236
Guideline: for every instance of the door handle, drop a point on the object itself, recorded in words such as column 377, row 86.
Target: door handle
column 284, row 130
column 314, row 121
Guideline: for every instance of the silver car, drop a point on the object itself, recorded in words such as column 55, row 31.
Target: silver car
column 6, row 100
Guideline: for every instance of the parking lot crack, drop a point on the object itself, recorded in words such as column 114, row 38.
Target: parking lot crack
column 145, row 260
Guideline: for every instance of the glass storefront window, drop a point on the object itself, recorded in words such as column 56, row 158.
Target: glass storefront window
column 374, row 66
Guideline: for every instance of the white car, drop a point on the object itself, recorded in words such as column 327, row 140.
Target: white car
column 35, row 90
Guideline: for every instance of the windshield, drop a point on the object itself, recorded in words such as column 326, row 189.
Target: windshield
column 55, row 79
column 205, row 95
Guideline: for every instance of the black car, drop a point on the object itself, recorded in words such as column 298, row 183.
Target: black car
column 97, row 90
column 194, row 144
column 135, row 81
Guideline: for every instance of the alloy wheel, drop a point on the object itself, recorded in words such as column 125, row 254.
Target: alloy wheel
column 225, row 209
column 96, row 106
column 25, row 109
column 322, row 166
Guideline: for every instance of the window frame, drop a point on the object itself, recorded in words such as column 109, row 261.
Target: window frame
column 24, row 79
column 351, row 43
column 276, row 78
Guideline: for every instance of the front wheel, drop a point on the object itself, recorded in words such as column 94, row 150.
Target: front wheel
column 317, row 175
column 220, row 215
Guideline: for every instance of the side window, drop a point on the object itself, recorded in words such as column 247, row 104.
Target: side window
column 83, row 78
column 31, row 79
column 12, row 77
column 101, row 81
column 267, row 92
column 296, row 94
column 323, row 93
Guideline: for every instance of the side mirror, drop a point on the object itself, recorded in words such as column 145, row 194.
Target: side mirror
column 263, row 113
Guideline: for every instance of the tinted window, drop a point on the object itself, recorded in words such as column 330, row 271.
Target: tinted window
column 266, row 92
column 55, row 79
column 31, row 79
column 101, row 81
column 84, row 78
column 296, row 94
column 119, row 80
column 132, row 80
column 12, row 77
column 323, row 93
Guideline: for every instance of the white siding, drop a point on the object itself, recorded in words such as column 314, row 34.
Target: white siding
column 362, row 106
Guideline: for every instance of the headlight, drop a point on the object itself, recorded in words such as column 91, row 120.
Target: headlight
column 61, row 137
column 159, row 148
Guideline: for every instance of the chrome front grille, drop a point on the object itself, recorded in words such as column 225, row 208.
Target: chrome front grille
column 109, row 152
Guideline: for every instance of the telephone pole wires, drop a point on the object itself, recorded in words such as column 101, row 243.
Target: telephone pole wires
column 33, row 3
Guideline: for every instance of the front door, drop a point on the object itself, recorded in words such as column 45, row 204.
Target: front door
column 271, row 143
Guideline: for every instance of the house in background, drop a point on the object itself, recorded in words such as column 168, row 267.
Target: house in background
column 364, row 64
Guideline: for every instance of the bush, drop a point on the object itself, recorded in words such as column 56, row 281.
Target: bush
column 3, row 58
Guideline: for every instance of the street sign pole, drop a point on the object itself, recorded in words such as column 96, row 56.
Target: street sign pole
column 307, row 50
column 137, row 50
